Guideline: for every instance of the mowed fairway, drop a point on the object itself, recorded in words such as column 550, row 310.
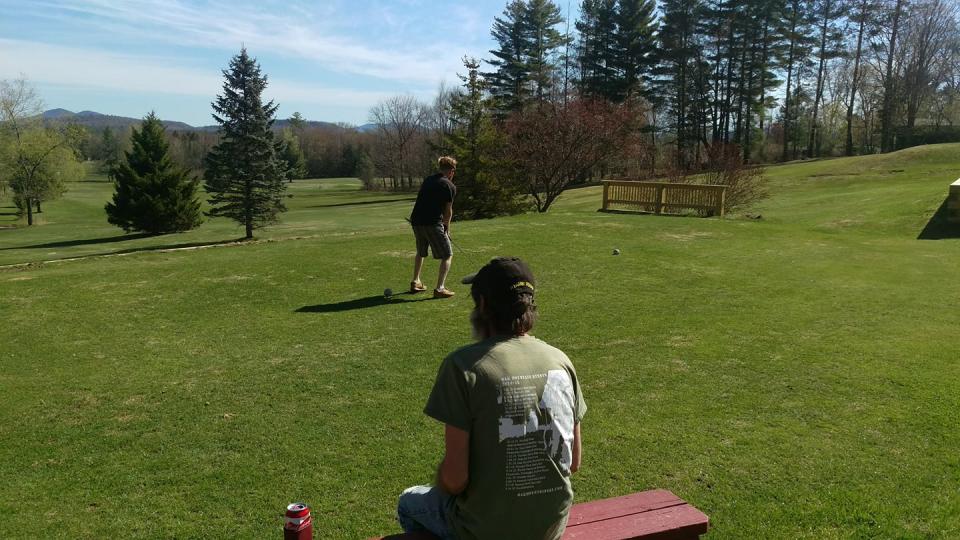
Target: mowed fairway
column 796, row 376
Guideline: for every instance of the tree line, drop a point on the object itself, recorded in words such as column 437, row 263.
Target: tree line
column 322, row 150
column 245, row 171
column 675, row 85
column 630, row 89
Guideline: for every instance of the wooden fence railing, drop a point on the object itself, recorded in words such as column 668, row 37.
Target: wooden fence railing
column 953, row 203
column 664, row 198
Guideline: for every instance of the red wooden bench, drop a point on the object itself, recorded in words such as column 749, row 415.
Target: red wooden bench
column 649, row 515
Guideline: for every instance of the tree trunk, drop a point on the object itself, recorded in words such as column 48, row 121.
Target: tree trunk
column 886, row 120
column 786, row 107
column 741, row 96
column 765, row 57
column 727, row 106
column 715, row 121
column 682, row 110
column 795, row 136
column 811, row 144
column 29, row 204
column 853, row 82
column 38, row 207
column 653, row 141
column 748, row 120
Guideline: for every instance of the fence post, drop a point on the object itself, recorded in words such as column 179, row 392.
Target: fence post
column 723, row 201
column 606, row 194
column 661, row 197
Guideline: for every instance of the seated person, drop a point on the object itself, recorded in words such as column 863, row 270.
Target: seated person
column 511, row 406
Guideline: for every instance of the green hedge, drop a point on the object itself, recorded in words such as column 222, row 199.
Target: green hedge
column 917, row 135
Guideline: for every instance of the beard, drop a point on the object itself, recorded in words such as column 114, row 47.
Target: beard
column 479, row 328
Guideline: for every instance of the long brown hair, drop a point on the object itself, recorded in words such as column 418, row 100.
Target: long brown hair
column 516, row 318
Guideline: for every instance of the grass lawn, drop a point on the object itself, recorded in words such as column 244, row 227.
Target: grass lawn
column 796, row 376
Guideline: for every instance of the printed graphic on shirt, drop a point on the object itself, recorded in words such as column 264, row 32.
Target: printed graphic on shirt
column 537, row 429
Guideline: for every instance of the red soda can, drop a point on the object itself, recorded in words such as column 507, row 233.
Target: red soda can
column 298, row 525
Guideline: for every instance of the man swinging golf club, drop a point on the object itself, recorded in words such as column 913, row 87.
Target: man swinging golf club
column 431, row 224
column 511, row 406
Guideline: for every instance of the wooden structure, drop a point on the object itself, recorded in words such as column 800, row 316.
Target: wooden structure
column 663, row 197
column 953, row 203
column 649, row 515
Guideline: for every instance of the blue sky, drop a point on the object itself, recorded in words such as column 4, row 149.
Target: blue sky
column 329, row 59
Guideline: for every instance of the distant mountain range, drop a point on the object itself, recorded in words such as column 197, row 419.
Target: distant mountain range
column 97, row 120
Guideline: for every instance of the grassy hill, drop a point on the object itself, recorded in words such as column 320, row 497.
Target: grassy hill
column 794, row 376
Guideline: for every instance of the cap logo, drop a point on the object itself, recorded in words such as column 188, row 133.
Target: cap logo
column 521, row 284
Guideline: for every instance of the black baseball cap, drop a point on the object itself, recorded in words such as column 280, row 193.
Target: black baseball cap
column 502, row 279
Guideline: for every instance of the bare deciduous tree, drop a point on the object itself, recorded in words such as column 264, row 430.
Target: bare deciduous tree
column 552, row 145
column 930, row 35
column 400, row 121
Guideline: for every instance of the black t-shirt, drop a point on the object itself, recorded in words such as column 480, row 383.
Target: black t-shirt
column 435, row 192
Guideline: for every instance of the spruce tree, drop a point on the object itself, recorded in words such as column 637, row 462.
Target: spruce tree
column 680, row 72
column 483, row 190
column 151, row 193
column 596, row 51
column 525, row 60
column 545, row 40
column 635, row 40
column 245, row 178
column 509, row 83
column 288, row 150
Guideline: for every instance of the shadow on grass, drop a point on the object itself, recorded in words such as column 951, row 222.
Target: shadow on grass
column 83, row 242
column 360, row 203
column 685, row 214
column 185, row 245
column 938, row 228
column 363, row 303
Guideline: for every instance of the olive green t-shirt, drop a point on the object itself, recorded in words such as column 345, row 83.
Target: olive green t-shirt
column 519, row 399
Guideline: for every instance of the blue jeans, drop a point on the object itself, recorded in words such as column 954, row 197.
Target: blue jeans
column 425, row 508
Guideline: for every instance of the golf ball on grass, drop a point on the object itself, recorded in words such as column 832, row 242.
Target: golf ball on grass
column 387, row 293
column 616, row 251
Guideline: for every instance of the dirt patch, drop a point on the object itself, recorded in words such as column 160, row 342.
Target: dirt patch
column 228, row 279
column 398, row 254
column 687, row 237
column 843, row 223
column 605, row 224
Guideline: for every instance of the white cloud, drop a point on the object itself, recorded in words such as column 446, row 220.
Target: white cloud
column 340, row 36
column 70, row 66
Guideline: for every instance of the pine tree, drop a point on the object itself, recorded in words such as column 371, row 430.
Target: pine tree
column 509, row 83
column 151, row 193
column 828, row 13
column 797, row 18
column 528, row 41
column 542, row 18
column 596, row 50
column 862, row 18
column 482, row 191
column 289, row 151
column 635, row 42
column 244, row 176
column 681, row 80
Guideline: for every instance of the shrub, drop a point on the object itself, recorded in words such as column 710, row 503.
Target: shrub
column 725, row 167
